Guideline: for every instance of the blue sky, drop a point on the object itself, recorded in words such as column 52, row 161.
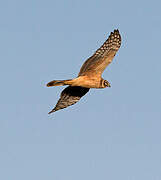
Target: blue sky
column 113, row 133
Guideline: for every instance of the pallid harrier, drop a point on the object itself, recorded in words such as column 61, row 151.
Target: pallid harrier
column 89, row 75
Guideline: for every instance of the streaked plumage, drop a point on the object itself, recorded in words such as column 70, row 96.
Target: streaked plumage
column 89, row 75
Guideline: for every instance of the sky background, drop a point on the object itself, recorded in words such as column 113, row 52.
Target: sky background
column 113, row 133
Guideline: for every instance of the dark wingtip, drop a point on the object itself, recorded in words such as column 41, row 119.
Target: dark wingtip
column 116, row 30
column 51, row 111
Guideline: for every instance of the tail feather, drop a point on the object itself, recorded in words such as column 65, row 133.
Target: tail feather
column 59, row 83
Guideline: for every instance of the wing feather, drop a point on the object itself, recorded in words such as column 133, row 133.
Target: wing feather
column 70, row 96
column 103, row 56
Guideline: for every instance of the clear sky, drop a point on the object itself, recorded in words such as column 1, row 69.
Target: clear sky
column 113, row 133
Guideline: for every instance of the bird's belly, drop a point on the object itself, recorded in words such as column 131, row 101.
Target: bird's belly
column 88, row 82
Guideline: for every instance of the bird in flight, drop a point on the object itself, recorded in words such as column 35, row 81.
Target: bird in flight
column 89, row 75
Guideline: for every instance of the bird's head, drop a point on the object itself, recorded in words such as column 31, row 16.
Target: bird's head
column 105, row 84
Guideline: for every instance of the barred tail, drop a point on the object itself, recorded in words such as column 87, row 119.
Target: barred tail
column 60, row 83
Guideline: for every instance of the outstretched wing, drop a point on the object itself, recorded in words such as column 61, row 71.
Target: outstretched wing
column 96, row 64
column 70, row 96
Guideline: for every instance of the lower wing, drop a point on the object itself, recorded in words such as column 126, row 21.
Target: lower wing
column 70, row 96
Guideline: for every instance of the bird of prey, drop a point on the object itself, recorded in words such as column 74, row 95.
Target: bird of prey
column 89, row 75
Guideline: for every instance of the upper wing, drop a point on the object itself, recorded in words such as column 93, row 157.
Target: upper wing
column 70, row 96
column 103, row 56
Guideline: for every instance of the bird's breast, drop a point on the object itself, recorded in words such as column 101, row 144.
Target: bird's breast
column 87, row 81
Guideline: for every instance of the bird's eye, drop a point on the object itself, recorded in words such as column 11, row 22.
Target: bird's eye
column 105, row 83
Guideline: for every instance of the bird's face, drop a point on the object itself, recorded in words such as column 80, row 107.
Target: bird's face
column 106, row 83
